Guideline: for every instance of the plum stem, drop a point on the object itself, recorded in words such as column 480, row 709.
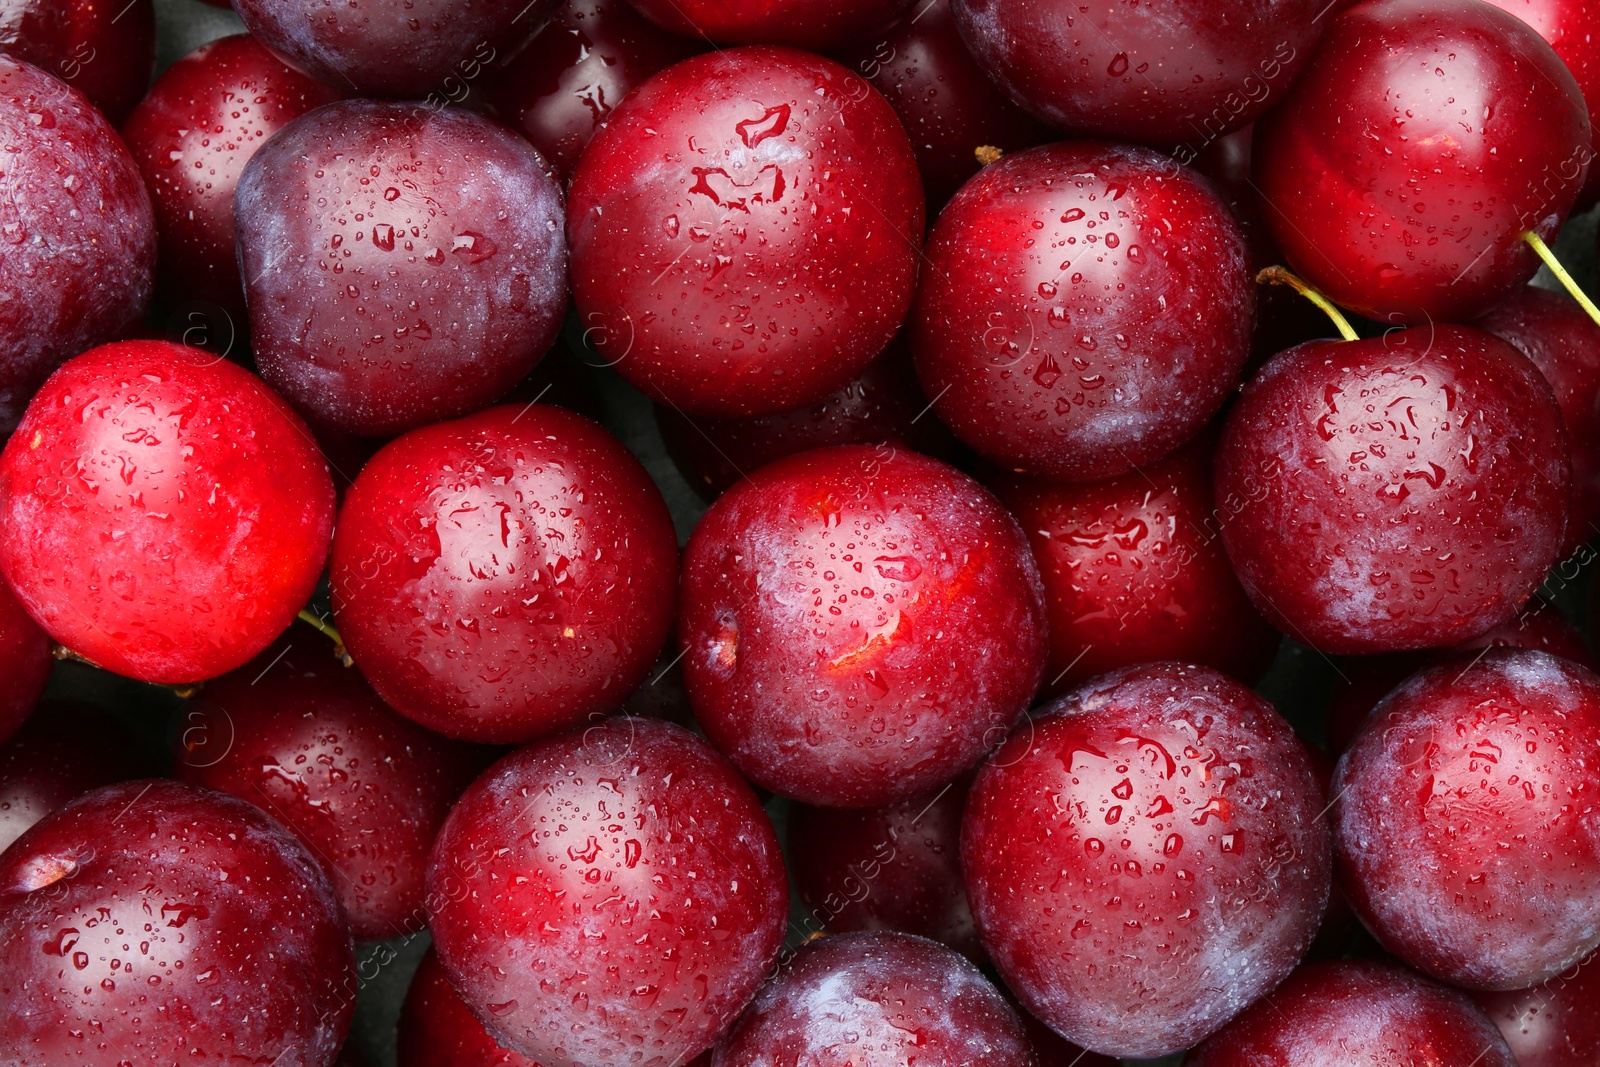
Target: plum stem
column 65, row 655
column 1543, row 251
column 327, row 629
column 1281, row 276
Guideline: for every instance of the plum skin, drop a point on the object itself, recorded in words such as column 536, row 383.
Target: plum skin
column 403, row 264
column 818, row 25
column 437, row 1029
column 1356, row 1013
column 1477, row 133
column 416, row 49
column 1421, row 480
column 1564, row 343
column 306, row 739
column 192, row 135
column 25, row 662
column 1153, row 841
column 1471, row 753
column 891, row 868
column 745, row 232
column 1180, row 75
column 822, row 602
column 1134, row 572
column 883, row 405
column 105, row 49
column 221, row 505
column 62, row 752
column 1551, row 1024
column 605, row 885
column 1085, row 309
column 80, row 233
column 564, row 85
column 950, row 106
column 504, row 576
column 131, row 927
column 877, row 999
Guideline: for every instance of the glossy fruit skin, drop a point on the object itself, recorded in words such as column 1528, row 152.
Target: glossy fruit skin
column 1357, row 532
column 882, row 406
column 468, row 552
column 420, row 49
column 1422, row 219
column 1137, row 935
column 948, row 104
column 1367, row 680
column 159, row 880
column 818, row 25
column 1081, row 349
column 1552, row 1024
column 891, row 868
column 823, row 601
column 1564, row 343
column 559, row 90
column 877, row 1000
column 78, row 228
column 403, row 264
column 1463, row 756
column 1179, row 74
column 1566, row 25
column 1357, row 1013
column 25, row 662
column 605, row 885
column 162, row 512
column 62, row 752
column 745, row 232
column 105, row 49
column 305, row 739
column 192, row 136
column 1134, row 572
column 437, row 1029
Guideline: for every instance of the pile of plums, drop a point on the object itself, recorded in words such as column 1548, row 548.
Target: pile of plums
column 799, row 533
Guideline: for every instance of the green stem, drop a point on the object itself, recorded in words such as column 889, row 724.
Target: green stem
column 1281, row 276
column 1543, row 250
column 66, row 655
column 327, row 629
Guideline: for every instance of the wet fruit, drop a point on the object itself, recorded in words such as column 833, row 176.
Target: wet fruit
column 1085, row 310
column 1179, row 74
column 422, row 49
column 305, row 739
column 162, row 512
column 1134, row 572
column 192, row 136
column 1401, row 492
column 823, row 601
column 1147, row 858
column 1357, row 1013
column 79, row 232
column 506, row 575
column 892, row 868
column 745, row 232
column 403, row 264
column 1477, row 134
column 1463, row 756
column 130, row 931
column 888, row 998
column 608, row 895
